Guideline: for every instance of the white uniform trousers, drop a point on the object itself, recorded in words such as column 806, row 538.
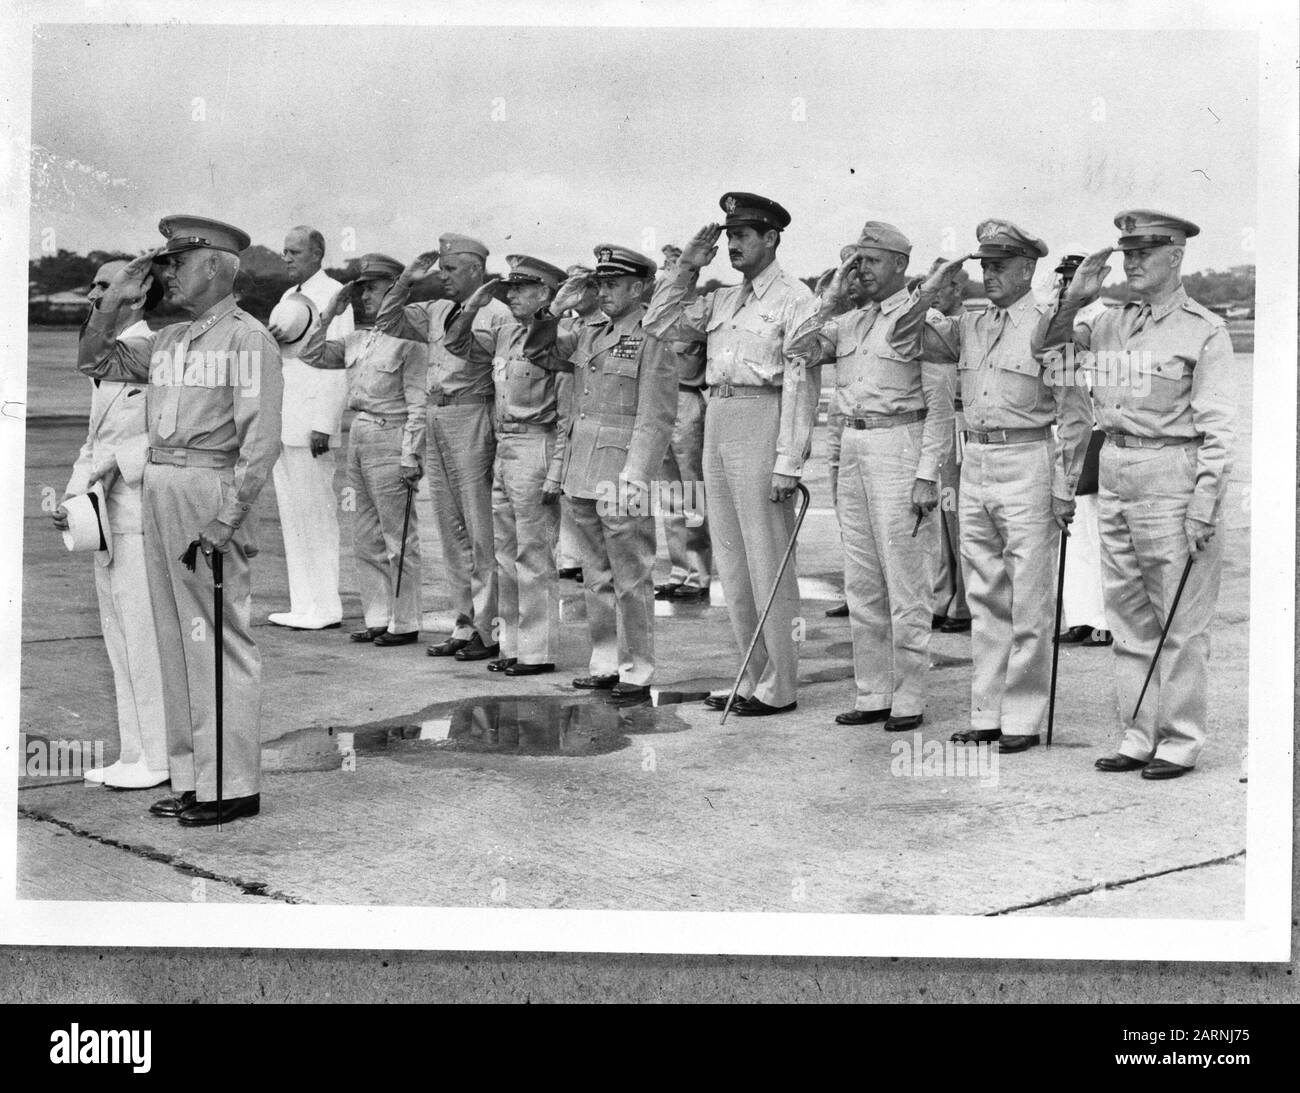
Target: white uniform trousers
column 686, row 524
column 618, row 555
column 374, row 473
column 526, row 531
column 126, row 618
column 309, row 520
column 888, row 575
column 179, row 502
column 750, row 534
column 461, row 451
column 1144, row 497
column 1008, row 546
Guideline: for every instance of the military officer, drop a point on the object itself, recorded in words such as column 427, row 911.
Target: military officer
column 214, row 433
column 1162, row 368
column 386, row 389
column 757, row 430
column 114, row 453
column 311, row 421
column 897, row 414
column 1017, row 484
column 532, row 422
column 461, row 432
column 624, row 401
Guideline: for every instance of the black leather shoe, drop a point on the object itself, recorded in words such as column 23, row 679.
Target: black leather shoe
column 1119, row 763
column 755, row 707
column 719, row 701
column 954, row 626
column 475, row 650
column 172, row 807
column 839, row 612
column 1009, row 744
column 368, row 634
column 688, row 594
column 937, row 621
column 1074, row 635
column 571, row 573
column 976, row 736
column 625, row 691
column 862, row 717
column 904, row 722
column 409, row 638
column 447, row 648
column 596, row 683
column 518, row 669
column 1161, row 769
column 665, row 591
column 205, row 814
column 501, row 664
column 1098, row 638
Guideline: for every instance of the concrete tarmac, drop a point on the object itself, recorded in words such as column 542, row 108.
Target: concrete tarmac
column 395, row 778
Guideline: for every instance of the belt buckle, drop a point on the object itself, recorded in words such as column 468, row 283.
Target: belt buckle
column 723, row 389
column 1001, row 435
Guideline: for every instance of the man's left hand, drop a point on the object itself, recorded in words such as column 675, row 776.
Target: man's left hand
column 783, row 487
column 1063, row 513
column 216, row 536
column 1198, row 533
column 550, row 493
column 411, row 477
column 320, row 443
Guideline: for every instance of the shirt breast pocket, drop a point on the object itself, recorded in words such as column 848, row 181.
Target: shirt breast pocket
column 1020, row 381
column 845, row 353
column 1161, row 385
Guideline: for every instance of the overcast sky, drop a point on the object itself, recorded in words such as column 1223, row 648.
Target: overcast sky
column 549, row 141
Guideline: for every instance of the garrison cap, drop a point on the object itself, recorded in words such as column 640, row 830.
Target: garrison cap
column 1148, row 228
column 1002, row 239
column 753, row 210
column 1069, row 263
column 881, row 236
column 191, row 232
column 379, row 267
column 451, row 243
column 613, row 261
column 526, row 270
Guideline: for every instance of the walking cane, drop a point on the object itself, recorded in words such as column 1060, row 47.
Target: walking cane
column 1169, row 620
column 217, row 595
column 798, row 523
column 401, row 558
column 1056, row 635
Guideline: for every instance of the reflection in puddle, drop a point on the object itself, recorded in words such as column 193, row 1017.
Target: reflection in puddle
column 536, row 726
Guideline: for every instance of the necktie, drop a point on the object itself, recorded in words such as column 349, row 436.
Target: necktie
column 1140, row 320
column 997, row 323
column 743, row 297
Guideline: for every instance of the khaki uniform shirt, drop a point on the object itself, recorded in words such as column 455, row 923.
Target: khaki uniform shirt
column 215, row 381
column 1003, row 385
column 450, row 374
column 748, row 328
column 386, row 377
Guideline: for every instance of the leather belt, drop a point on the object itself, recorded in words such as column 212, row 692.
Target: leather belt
column 885, row 421
column 1123, row 440
column 458, row 400
column 740, row 390
column 193, row 457
column 513, row 427
column 1008, row 436
column 375, row 419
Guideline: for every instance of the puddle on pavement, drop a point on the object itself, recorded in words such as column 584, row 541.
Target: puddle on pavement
column 528, row 726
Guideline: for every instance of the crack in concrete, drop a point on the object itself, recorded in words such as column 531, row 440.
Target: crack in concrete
column 250, row 888
column 1065, row 897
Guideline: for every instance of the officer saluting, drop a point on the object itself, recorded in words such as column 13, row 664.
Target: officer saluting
column 1017, row 486
column 624, row 402
column 386, row 388
column 757, row 429
column 214, row 434
column 1162, row 367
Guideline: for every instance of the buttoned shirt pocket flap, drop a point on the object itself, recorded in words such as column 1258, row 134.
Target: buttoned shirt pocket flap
column 385, row 362
column 1159, row 383
column 614, row 436
column 1021, row 363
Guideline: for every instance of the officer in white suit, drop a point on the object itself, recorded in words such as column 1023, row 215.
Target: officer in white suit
column 114, row 454
column 311, row 427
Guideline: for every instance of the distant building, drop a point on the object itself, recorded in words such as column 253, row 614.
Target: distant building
column 57, row 307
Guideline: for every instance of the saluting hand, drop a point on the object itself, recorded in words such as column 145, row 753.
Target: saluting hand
column 835, row 294
column 702, row 247
column 1089, row 277
column 482, row 295
column 130, row 284
column 421, row 267
column 570, row 293
column 934, row 284
column 338, row 304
